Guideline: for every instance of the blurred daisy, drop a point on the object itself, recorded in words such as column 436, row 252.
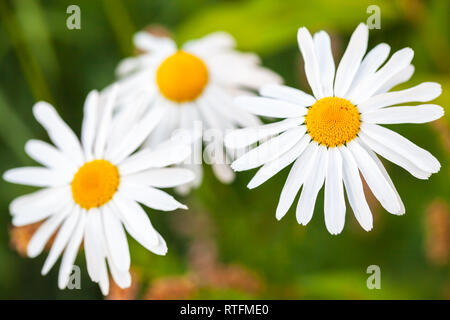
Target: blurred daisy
column 195, row 85
column 331, row 136
column 92, row 189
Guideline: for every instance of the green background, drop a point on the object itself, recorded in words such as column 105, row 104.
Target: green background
column 40, row 59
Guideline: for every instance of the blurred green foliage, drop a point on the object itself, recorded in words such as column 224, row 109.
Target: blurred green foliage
column 41, row 59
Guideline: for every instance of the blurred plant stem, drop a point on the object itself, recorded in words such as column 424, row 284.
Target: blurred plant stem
column 121, row 23
column 13, row 131
column 30, row 67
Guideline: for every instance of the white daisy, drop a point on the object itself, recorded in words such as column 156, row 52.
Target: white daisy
column 92, row 189
column 331, row 136
column 195, row 85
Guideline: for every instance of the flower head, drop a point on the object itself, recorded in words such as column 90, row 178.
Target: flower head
column 333, row 135
column 195, row 85
column 90, row 190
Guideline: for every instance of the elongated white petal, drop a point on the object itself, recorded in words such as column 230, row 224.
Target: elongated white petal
column 392, row 140
column 423, row 92
column 351, row 60
column 324, row 55
column 135, row 219
column 299, row 172
column 116, row 240
column 296, row 96
column 45, row 231
column 394, row 156
column 41, row 200
column 312, row 68
column 121, row 277
column 244, row 137
column 137, row 134
column 148, row 42
column 355, row 191
column 404, row 114
column 92, row 244
column 399, row 60
column 161, row 178
column 401, row 76
column 312, row 186
column 271, row 168
column 268, row 107
column 58, row 131
column 171, row 153
column 369, row 65
column 48, row 155
column 334, row 202
column 269, row 150
column 105, row 119
column 89, row 126
column 375, row 178
column 37, row 177
column 71, row 252
column 62, row 238
column 151, row 197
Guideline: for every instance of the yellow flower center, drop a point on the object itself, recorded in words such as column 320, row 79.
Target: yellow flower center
column 332, row 121
column 95, row 183
column 182, row 77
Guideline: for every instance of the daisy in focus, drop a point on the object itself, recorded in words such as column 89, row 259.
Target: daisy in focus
column 195, row 85
column 91, row 190
column 334, row 135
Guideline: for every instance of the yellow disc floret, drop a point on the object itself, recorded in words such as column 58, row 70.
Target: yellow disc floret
column 95, row 183
column 182, row 77
column 332, row 121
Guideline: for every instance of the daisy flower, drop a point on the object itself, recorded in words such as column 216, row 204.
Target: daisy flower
column 195, row 85
column 332, row 136
column 90, row 190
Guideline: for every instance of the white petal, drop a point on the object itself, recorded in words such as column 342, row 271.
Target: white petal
column 122, row 278
column 271, row 168
column 270, row 107
column 370, row 64
column 58, row 131
column 312, row 186
column 38, row 176
column 392, row 140
column 423, row 92
column 39, row 205
column 324, row 55
column 137, row 134
column 404, row 114
column 288, row 94
column 93, row 233
column 48, row 155
column 351, row 60
column 401, row 76
column 216, row 41
column 161, row 178
column 89, row 126
column 148, row 42
column 399, row 60
column 269, row 150
column 334, row 202
column 135, row 219
column 107, row 99
column 116, row 240
column 164, row 155
column 299, row 172
column 312, row 68
column 45, row 231
column 62, row 238
column 70, row 253
column 151, row 197
column 375, row 178
column 355, row 191
column 244, row 137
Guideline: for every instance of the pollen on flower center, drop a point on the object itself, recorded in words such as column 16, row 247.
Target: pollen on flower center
column 332, row 121
column 182, row 77
column 95, row 183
